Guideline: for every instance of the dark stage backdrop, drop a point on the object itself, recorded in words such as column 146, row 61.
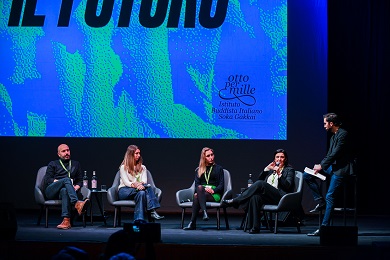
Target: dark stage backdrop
column 359, row 89
column 172, row 161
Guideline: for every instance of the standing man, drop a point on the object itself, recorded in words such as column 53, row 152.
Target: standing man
column 336, row 165
column 63, row 180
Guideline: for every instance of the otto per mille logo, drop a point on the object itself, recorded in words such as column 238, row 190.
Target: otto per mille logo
column 237, row 99
column 150, row 16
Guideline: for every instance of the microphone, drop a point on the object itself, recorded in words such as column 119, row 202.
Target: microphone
column 277, row 164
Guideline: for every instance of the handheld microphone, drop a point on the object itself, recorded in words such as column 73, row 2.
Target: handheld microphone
column 277, row 164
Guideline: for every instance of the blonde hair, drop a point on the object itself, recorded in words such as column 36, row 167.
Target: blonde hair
column 202, row 161
column 131, row 166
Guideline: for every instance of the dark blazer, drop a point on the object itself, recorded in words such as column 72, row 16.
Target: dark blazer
column 339, row 154
column 285, row 182
column 216, row 178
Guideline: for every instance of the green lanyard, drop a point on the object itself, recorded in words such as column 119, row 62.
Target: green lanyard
column 207, row 177
column 273, row 178
column 70, row 167
column 138, row 177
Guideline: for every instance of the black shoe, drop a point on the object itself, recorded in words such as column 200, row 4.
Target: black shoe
column 227, row 203
column 254, row 231
column 205, row 217
column 315, row 233
column 319, row 207
column 155, row 215
column 191, row 226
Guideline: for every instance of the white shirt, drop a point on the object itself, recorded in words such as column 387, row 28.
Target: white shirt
column 126, row 179
column 273, row 179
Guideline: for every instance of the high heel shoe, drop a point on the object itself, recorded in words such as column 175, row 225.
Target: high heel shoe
column 191, row 226
column 155, row 215
column 205, row 216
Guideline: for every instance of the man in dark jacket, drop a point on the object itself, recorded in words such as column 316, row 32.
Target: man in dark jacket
column 336, row 165
column 63, row 179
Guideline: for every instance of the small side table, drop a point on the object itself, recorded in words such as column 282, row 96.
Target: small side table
column 98, row 197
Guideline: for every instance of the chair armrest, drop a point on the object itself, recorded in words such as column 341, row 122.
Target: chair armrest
column 227, row 195
column 185, row 194
column 112, row 194
column 85, row 192
column 39, row 197
column 158, row 193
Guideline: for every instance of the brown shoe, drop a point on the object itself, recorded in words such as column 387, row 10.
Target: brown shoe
column 81, row 206
column 65, row 224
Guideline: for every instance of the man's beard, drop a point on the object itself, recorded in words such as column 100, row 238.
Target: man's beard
column 64, row 159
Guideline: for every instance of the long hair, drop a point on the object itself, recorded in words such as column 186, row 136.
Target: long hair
column 286, row 163
column 131, row 166
column 202, row 161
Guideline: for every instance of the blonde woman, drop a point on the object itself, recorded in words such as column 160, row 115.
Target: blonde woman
column 209, row 185
column 132, row 186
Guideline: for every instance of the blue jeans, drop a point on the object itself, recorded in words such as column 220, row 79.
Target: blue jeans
column 145, row 200
column 63, row 189
column 334, row 185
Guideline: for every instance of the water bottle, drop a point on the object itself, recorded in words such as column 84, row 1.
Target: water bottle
column 250, row 181
column 85, row 180
column 94, row 181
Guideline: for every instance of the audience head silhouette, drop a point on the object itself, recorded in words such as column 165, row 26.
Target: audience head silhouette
column 119, row 242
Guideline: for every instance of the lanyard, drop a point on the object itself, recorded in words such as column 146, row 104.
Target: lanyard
column 273, row 177
column 207, row 177
column 275, row 174
column 70, row 167
column 138, row 176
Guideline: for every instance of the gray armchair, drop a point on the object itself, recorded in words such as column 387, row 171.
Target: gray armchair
column 45, row 204
column 184, row 199
column 290, row 202
column 112, row 197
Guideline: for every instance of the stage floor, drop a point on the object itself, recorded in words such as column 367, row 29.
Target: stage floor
column 373, row 238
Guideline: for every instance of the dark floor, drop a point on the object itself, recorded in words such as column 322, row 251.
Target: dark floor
column 37, row 241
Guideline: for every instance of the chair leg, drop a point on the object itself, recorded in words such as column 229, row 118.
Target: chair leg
column 226, row 218
column 47, row 216
column 218, row 219
column 265, row 214
column 276, row 223
column 270, row 221
column 115, row 215
column 183, row 210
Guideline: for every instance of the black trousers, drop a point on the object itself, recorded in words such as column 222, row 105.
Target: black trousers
column 253, row 198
